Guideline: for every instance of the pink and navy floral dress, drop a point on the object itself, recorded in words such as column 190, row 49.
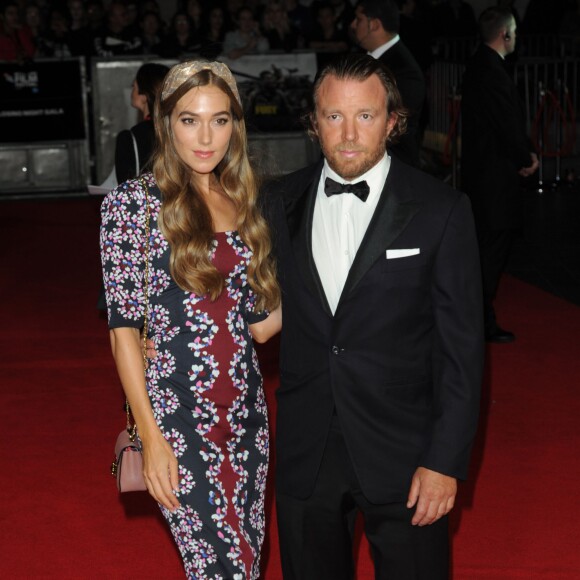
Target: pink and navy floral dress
column 205, row 385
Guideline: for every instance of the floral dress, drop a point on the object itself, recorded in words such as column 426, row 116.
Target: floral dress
column 205, row 385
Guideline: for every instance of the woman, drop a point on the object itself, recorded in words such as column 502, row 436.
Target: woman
column 212, row 41
column 246, row 38
column 202, row 416
column 278, row 29
column 181, row 37
column 134, row 146
column 16, row 43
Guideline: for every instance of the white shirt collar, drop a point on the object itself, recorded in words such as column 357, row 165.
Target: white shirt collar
column 378, row 52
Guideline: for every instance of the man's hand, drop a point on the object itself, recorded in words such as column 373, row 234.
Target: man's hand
column 527, row 171
column 434, row 495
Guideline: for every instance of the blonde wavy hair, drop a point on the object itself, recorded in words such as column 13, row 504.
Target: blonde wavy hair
column 185, row 219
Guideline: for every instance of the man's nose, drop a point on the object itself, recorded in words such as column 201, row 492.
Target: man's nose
column 350, row 132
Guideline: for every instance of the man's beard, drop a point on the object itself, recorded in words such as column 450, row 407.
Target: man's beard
column 350, row 169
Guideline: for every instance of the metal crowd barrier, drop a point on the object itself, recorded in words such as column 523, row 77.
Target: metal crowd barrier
column 550, row 91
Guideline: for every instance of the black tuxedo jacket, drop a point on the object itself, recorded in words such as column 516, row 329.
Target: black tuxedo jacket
column 493, row 140
column 411, row 85
column 401, row 359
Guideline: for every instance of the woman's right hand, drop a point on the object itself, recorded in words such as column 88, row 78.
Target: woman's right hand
column 160, row 470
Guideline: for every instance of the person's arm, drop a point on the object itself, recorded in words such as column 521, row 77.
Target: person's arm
column 160, row 468
column 266, row 329
column 126, row 313
column 458, row 352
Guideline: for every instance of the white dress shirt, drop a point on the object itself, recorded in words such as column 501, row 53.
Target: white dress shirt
column 379, row 51
column 339, row 225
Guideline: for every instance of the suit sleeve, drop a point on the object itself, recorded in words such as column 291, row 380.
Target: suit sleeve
column 458, row 346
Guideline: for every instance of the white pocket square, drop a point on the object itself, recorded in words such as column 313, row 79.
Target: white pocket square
column 392, row 254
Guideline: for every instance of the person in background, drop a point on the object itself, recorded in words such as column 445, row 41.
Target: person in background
column 116, row 38
column 58, row 41
column 247, row 38
column 277, row 28
column 80, row 37
column 376, row 29
column 213, row 39
column 325, row 35
column 232, row 8
column 150, row 25
column 34, row 21
column 96, row 16
column 180, row 38
column 16, row 42
column 194, row 9
column 140, row 139
column 78, row 14
column 495, row 153
column 381, row 353
column 299, row 16
column 201, row 412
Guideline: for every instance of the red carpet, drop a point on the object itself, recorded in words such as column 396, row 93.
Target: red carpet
column 60, row 410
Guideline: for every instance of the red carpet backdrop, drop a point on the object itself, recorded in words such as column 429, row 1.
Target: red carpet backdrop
column 61, row 409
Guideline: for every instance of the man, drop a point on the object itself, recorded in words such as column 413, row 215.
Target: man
column 116, row 38
column 495, row 153
column 376, row 29
column 381, row 349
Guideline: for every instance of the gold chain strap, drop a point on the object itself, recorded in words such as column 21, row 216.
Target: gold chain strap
column 131, row 426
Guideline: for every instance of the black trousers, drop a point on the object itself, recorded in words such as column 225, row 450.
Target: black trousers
column 316, row 533
column 494, row 249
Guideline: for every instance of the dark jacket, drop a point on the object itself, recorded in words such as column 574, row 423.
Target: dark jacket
column 411, row 85
column 401, row 359
column 493, row 140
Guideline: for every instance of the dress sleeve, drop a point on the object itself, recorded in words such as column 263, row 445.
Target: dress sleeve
column 252, row 316
column 122, row 240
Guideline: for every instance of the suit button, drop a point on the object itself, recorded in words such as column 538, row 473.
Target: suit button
column 335, row 350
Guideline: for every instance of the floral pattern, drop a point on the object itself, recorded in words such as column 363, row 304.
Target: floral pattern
column 205, row 385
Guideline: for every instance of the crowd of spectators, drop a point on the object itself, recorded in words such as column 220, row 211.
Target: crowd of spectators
column 42, row 28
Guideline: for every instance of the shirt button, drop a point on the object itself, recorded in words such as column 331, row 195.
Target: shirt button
column 335, row 350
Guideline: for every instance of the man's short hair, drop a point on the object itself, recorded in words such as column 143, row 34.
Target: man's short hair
column 386, row 11
column 359, row 67
column 492, row 21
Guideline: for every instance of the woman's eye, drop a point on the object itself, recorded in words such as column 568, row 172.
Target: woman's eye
column 187, row 121
column 222, row 121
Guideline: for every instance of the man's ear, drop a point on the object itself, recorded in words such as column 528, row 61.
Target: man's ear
column 374, row 24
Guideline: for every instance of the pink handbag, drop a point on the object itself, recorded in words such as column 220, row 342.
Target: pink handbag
column 128, row 464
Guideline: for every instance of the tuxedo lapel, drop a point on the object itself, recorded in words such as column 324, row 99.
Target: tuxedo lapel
column 393, row 214
column 299, row 216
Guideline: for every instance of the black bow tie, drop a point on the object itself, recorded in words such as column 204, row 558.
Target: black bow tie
column 360, row 189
